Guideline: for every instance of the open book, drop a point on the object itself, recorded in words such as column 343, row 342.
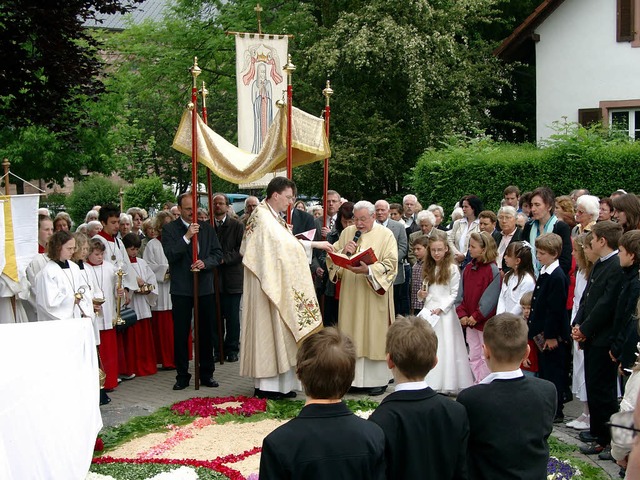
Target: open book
column 342, row 260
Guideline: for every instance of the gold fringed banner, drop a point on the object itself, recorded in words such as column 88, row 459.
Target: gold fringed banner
column 227, row 161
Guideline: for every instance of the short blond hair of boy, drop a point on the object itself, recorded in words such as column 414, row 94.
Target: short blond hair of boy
column 550, row 243
column 526, row 299
column 412, row 345
column 506, row 335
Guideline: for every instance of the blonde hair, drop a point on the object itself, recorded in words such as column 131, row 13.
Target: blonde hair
column 430, row 271
column 488, row 244
column 582, row 262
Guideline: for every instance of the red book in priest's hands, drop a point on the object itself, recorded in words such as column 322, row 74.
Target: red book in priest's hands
column 341, row 260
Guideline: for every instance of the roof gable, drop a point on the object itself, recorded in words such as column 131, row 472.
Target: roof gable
column 510, row 48
column 147, row 10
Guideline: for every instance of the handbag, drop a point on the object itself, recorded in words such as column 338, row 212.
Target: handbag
column 129, row 316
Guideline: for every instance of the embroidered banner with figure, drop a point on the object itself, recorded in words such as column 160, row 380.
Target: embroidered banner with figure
column 260, row 81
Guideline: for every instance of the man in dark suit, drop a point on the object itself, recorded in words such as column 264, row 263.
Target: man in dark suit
column 509, row 233
column 594, row 329
column 510, row 415
column 326, row 440
column 400, row 295
column 488, row 222
column 230, row 274
column 426, row 433
column 176, row 243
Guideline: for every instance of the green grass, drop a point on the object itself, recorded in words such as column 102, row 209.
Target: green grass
column 133, row 471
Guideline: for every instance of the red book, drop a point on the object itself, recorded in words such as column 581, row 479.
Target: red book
column 342, row 260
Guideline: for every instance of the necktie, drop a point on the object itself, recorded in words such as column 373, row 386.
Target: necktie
column 331, row 223
column 219, row 223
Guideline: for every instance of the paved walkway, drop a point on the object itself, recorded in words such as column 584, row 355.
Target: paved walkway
column 144, row 395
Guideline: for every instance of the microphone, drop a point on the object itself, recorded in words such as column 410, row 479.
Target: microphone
column 356, row 237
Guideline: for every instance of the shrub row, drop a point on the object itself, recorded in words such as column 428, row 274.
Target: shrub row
column 485, row 168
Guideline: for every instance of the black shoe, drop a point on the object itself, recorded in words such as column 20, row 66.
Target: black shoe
column 273, row 395
column 558, row 419
column 216, row 358
column 606, row 454
column 104, row 398
column 586, row 437
column 375, row 391
column 209, row 382
column 180, row 385
column 232, row 357
column 592, row 449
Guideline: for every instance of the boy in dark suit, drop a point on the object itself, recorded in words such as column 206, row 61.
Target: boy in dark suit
column 548, row 320
column 426, row 433
column 594, row 330
column 326, row 441
column 510, row 415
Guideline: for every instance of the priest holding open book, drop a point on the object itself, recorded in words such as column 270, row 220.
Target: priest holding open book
column 366, row 294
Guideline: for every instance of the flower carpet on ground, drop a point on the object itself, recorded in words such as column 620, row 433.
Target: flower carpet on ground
column 219, row 438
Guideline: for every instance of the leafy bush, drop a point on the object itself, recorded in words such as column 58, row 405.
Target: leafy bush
column 594, row 159
column 95, row 190
column 147, row 193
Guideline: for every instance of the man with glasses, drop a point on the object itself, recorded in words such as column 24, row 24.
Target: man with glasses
column 366, row 301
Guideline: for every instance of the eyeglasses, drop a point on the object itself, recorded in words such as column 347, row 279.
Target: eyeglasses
column 622, row 428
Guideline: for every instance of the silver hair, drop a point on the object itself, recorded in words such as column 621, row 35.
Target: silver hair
column 124, row 217
column 508, row 210
column 426, row 215
column 591, row 205
column 364, row 204
column 436, row 208
column 409, row 197
column 383, row 202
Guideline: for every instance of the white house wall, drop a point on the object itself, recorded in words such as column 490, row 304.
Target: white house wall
column 579, row 63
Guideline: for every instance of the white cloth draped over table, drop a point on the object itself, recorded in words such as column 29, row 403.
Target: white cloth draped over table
column 47, row 431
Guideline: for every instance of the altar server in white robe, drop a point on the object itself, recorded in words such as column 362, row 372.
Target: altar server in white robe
column 59, row 285
column 45, row 230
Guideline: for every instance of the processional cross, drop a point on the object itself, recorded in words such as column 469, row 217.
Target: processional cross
column 258, row 9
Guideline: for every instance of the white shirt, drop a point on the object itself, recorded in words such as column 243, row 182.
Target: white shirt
column 502, row 376
column 411, row 386
column 550, row 268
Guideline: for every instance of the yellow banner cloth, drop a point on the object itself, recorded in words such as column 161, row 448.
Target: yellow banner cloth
column 308, row 140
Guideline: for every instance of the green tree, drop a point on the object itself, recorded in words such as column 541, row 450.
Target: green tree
column 147, row 193
column 49, row 72
column 95, row 190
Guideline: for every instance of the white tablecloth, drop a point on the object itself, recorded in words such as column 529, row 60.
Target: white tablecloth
column 49, row 396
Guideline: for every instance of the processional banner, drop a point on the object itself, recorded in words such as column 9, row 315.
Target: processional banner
column 260, row 81
column 20, row 238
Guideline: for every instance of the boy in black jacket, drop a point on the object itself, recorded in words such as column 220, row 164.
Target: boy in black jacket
column 594, row 330
column 624, row 347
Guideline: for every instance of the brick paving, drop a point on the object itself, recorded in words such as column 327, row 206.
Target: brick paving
column 144, row 395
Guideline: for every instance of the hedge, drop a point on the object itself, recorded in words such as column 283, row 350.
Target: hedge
column 585, row 159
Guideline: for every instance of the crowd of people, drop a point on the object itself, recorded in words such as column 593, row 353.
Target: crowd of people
column 545, row 287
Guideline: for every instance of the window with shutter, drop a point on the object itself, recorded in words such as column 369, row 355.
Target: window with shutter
column 625, row 20
column 588, row 116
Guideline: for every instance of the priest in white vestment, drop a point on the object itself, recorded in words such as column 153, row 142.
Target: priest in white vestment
column 279, row 304
column 366, row 295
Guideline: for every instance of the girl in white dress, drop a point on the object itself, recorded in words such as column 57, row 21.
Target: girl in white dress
column 519, row 280
column 441, row 280
column 584, row 262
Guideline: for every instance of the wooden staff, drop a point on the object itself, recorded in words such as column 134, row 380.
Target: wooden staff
column 327, row 92
column 289, row 68
column 195, row 71
column 216, row 274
